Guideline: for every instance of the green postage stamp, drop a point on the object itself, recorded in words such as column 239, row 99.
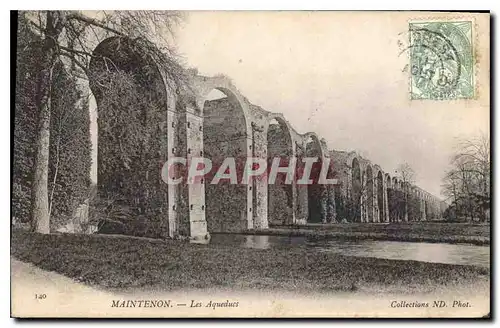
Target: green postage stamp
column 441, row 60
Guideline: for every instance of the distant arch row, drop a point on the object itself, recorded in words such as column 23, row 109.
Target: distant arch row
column 368, row 194
column 189, row 123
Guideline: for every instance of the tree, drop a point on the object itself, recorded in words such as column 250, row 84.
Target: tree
column 69, row 161
column 467, row 183
column 24, row 121
column 70, row 148
column 406, row 173
column 63, row 39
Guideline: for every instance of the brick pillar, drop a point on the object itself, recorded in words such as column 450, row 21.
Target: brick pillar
column 189, row 197
column 166, row 231
column 258, row 186
column 174, row 201
column 248, row 215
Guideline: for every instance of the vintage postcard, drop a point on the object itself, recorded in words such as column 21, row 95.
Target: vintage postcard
column 251, row 164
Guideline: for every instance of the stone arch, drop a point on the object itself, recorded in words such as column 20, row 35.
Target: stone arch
column 282, row 121
column 340, row 169
column 203, row 85
column 357, row 189
column 320, row 147
column 395, row 183
column 315, row 191
column 286, row 131
column 131, row 97
column 227, row 133
column 388, row 180
column 281, row 200
column 123, row 54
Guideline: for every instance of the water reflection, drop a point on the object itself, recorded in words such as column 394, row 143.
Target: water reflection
column 396, row 250
column 264, row 242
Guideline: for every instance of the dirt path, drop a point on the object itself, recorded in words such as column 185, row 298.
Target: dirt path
column 39, row 293
column 37, row 280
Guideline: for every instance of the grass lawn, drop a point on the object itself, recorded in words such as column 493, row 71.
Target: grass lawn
column 438, row 232
column 127, row 262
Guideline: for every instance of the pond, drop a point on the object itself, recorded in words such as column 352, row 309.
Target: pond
column 395, row 250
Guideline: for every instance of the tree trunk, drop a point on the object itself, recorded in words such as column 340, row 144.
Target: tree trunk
column 39, row 193
column 40, row 218
column 51, row 199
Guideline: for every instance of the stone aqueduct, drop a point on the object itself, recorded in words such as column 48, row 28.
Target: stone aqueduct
column 232, row 126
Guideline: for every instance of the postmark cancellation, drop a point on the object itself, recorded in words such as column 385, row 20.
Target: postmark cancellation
column 441, row 60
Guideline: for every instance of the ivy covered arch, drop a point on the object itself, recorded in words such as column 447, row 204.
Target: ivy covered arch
column 131, row 97
column 227, row 133
column 280, row 196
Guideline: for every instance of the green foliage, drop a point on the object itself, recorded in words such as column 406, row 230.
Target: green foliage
column 396, row 204
column 331, row 214
column 346, row 210
column 25, row 121
column 414, row 213
column 130, row 156
column 69, row 131
column 70, row 147
column 468, row 207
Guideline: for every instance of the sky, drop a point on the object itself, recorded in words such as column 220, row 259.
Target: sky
column 342, row 76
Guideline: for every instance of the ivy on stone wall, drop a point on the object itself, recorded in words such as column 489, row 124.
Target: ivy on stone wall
column 132, row 196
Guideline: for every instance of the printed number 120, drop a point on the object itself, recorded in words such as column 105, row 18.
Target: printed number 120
column 40, row 296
